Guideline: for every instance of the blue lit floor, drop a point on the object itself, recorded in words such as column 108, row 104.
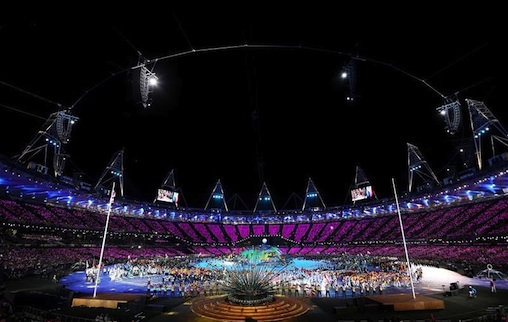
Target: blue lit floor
column 434, row 280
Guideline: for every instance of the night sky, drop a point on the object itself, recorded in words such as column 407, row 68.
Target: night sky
column 272, row 111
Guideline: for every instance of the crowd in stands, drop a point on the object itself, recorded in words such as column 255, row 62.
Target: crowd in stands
column 48, row 241
column 44, row 239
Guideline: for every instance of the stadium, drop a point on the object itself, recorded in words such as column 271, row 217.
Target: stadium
column 75, row 249
column 53, row 225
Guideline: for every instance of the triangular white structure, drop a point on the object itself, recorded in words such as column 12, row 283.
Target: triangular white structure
column 53, row 135
column 113, row 172
column 313, row 200
column 482, row 121
column 418, row 166
column 216, row 199
column 264, row 201
column 168, row 192
column 170, row 182
column 362, row 189
column 360, row 177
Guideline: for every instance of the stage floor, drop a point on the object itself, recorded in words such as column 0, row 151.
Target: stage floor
column 434, row 280
column 31, row 291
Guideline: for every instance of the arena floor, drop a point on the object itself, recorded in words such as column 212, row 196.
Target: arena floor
column 434, row 280
column 32, row 291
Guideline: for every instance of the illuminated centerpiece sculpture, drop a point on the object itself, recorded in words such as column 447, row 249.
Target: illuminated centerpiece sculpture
column 251, row 281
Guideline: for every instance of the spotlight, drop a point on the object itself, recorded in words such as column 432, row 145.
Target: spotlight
column 452, row 116
column 147, row 80
column 349, row 73
column 64, row 123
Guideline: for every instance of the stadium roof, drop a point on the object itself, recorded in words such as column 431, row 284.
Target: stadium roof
column 18, row 182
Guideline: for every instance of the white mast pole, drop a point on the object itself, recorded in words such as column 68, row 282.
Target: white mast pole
column 111, row 198
column 404, row 240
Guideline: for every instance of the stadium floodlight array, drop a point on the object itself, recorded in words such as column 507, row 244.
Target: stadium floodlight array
column 53, row 134
column 147, row 80
column 482, row 120
column 452, row 115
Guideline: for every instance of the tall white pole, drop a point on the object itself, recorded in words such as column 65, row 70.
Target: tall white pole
column 404, row 240
column 111, row 198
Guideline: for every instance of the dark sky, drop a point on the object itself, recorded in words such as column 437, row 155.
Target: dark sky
column 276, row 114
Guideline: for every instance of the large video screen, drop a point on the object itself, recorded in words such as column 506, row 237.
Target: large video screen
column 361, row 193
column 167, row 196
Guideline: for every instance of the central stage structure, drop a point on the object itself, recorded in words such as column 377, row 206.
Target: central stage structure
column 219, row 309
